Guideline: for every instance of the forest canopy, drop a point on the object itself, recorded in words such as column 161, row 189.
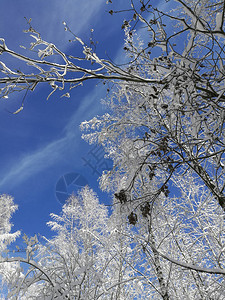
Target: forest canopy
column 164, row 131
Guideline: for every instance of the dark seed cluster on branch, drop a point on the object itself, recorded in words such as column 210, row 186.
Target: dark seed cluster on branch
column 121, row 196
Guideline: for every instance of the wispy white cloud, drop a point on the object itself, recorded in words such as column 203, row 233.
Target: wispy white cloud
column 33, row 163
column 50, row 154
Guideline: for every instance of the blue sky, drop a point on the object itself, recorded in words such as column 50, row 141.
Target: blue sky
column 43, row 142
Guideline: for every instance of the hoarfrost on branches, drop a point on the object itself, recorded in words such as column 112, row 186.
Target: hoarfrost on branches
column 164, row 131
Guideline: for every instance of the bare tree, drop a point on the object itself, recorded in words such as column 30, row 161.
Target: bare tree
column 182, row 83
column 177, row 120
column 159, row 132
